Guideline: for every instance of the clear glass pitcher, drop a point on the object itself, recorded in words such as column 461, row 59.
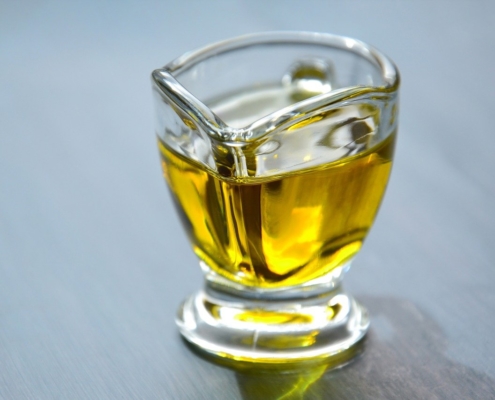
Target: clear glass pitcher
column 277, row 148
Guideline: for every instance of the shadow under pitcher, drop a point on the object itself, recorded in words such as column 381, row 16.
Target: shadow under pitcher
column 277, row 148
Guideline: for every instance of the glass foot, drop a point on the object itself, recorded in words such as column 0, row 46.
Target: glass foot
column 280, row 331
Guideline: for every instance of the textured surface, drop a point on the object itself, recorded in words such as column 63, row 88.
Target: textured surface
column 93, row 262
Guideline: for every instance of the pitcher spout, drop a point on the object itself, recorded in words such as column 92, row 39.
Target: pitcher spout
column 289, row 113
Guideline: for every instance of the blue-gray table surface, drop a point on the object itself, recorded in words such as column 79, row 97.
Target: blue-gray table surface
column 93, row 261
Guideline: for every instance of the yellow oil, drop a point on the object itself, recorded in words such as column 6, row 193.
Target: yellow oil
column 280, row 231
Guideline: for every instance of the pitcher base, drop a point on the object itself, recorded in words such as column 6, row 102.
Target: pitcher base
column 261, row 331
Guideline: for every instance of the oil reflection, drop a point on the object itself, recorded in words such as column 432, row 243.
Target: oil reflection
column 278, row 385
column 406, row 358
column 282, row 381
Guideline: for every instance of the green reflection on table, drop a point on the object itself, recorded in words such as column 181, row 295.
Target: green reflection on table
column 283, row 381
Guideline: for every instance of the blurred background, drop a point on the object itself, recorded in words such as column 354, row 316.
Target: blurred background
column 93, row 261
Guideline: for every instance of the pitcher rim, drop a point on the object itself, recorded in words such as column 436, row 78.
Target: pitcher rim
column 165, row 80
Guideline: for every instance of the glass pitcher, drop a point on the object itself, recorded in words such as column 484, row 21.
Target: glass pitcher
column 277, row 148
